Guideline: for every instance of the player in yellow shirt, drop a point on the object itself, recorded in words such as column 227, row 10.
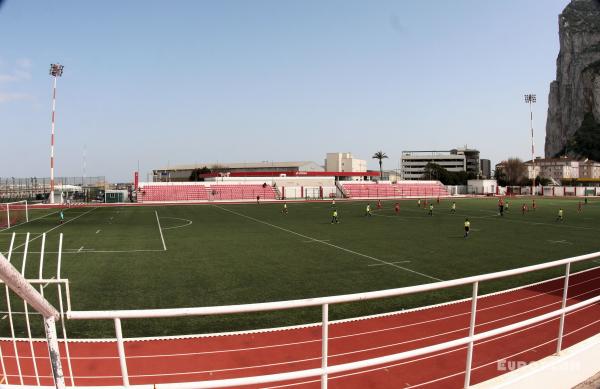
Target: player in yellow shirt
column 467, row 227
column 334, row 217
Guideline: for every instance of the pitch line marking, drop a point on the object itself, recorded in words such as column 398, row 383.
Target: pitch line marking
column 315, row 240
column 86, row 251
column 32, row 220
column 188, row 222
column 385, row 264
column 58, row 226
column 97, row 232
column 81, row 248
column 560, row 241
column 160, row 230
column 329, row 244
column 47, row 283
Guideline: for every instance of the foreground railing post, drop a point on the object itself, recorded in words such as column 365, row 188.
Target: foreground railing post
column 121, row 348
column 561, row 326
column 471, row 333
column 324, row 340
column 57, row 371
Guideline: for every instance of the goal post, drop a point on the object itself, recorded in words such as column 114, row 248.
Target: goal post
column 13, row 213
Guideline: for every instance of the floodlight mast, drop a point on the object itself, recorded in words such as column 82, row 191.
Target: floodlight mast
column 56, row 70
column 530, row 99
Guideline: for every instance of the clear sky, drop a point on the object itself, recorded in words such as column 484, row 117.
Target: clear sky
column 170, row 82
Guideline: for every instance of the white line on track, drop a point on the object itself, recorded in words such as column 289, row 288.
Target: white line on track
column 450, row 351
column 402, row 362
column 160, row 230
column 58, row 226
column 329, row 244
column 398, row 327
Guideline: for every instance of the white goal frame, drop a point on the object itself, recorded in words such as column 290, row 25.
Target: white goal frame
column 7, row 210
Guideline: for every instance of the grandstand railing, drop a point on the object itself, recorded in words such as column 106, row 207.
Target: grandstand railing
column 325, row 370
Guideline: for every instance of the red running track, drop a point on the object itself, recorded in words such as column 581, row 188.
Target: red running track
column 197, row 358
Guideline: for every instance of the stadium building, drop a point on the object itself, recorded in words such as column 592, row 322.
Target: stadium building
column 455, row 160
column 180, row 173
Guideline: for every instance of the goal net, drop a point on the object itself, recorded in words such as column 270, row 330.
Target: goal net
column 14, row 213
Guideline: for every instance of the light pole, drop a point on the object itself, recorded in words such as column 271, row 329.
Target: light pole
column 56, row 70
column 530, row 99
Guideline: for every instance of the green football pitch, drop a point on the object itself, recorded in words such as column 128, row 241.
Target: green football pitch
column 225, row 254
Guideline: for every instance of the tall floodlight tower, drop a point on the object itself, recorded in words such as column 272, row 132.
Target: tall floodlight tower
column 56, row 70
column 530, row 99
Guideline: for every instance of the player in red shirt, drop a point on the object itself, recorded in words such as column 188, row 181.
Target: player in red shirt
column 533, row 206
column 378, row 204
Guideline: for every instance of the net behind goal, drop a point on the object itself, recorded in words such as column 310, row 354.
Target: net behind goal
column 14, row 213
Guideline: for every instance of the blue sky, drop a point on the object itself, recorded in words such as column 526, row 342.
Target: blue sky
column 170, row 82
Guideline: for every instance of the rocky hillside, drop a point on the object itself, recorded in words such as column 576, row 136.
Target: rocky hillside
column 575, row 94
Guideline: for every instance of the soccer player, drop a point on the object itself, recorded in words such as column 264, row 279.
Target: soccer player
column 334, row 217
column 506, row 206
column 397, row 208
column 559, row 217
column 284, row 210
column 585, row 201
column 430, row 209
column 333, row 203
column 533, row 206
column 61, row 216
column 579, row 207
column 419, row 203
column 467, row 227
column 368, row 210
column 501, row 207
column 524, row 208
column 257, row 199
column 438, row 199
column 453, row 209
column 378, row 204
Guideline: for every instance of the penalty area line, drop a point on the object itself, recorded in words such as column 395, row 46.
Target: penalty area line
column 162, row 238
column 329, row 244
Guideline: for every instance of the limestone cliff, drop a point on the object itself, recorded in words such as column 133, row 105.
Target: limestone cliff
column 575, row 94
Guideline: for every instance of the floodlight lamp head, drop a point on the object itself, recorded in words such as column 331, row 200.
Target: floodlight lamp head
column 56, row 70
column 530, row 98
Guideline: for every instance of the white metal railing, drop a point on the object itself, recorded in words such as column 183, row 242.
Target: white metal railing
column 16, row 281
column 325, row 302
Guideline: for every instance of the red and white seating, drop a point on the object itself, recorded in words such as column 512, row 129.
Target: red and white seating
column 203, row 192
column 180, row 192
column 241, row 192
column 402, row 189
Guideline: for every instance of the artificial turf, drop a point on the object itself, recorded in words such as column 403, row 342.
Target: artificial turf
column 225, row 254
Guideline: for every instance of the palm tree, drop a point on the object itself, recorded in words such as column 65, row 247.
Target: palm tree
column 380, row 155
